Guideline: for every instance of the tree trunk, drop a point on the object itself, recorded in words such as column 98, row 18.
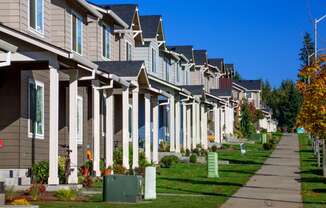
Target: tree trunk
column 318, row 153
column 324, row 158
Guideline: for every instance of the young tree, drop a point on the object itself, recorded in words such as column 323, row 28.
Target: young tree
column 237, row 76
column 246, row 126
column 307, row 50
column 312, row 115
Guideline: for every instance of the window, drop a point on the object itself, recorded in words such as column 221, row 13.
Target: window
column 128, row 51
column 36, row 109
column 106, row 42
column 153, row 60
column 36, row 15
column 249, row 95
column 77, row 34
column 79, row 120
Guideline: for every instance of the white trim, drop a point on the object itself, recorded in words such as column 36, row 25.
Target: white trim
column 131, row 49
column 36, row 83
column 80, row 138
column 31, row 29
column 80, row 18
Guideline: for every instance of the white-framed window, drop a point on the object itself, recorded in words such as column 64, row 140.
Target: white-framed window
column 80, row 120
column 35, row 109
column 77, row 33
column 106, row 31
column 36, row 15
column 128, row 51
column 153, row 60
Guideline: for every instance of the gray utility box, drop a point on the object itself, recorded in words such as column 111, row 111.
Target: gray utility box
column 122, row 188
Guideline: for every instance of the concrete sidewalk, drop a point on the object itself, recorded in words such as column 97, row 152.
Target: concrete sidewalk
column 275, row 184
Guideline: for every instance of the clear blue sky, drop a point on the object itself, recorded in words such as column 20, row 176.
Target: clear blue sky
column 261, row 37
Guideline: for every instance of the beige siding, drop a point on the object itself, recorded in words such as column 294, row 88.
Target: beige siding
column 9, row 13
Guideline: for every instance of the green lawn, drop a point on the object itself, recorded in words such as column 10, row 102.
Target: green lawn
column 313, row 184
column 183, row 179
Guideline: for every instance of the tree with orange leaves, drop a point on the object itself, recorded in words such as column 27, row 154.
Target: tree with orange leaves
column 312, row 85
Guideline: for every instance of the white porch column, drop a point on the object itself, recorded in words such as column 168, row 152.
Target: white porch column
column 109, row 102
column 96, row 128
column 155, row 129
column 184, row 124
column 177, row 126
column 147, row 127
column 135, row 143
column 198, row 125
column 73, row 93
column 172, row 124
column 216, row 124
column 125, row 128
column 203, row 127
column 188, row 128
column 53, row 124
column 194, row 128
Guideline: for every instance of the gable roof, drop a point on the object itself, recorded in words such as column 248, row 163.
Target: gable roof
column 150, row 25
column 250, row 84
column 125, row 11
column 221, row 92
column 229, row 68
column 218, row 62
column 186, row 50
column 121, row 68
column 194, row 89
column 200, row 57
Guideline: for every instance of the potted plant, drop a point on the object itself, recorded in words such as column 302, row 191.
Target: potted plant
column 107, row 171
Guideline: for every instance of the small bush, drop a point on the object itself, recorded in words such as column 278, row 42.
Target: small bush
column 67, row 194
column 40, row 171
column 268, row 146
column 119, row 169
column 168, row 161
column 164, row 146
column 214, row 148
column 197, row 151
column 187, row 153
column 193, row 158
column 10, row 193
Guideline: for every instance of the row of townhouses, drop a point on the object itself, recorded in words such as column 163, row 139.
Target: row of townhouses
column 98, row 77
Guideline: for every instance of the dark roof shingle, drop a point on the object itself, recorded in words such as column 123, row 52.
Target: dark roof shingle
column 125, row 11
column 250, row 84
column 221, row 92
column 194, row 89
column 187, row 51
column 150, row 25
column 218, row 62
column 121, row 68
column 200, row 57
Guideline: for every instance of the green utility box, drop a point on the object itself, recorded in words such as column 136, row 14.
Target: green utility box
column 122, row 188
column 264, row 138
column 212, row 165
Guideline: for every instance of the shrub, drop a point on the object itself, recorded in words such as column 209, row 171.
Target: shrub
column 187, row 152
column 164, row 146
column 268, row 146
column 117, row 156
column 10, row 193
column 36, row 191
column 182, row 151
column 196, row 151
column 203, row 152
column 119, row 169
column 40, row 172
column 168, row 161
column 86, row 181
column 67, row 194
column 214, row 148
column 193, row 158
column 20, row 202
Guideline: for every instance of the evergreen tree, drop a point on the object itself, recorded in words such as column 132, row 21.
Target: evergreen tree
column 307, row 49
column 237, row 76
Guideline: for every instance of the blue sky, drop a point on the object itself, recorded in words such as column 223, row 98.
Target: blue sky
column 261, row 37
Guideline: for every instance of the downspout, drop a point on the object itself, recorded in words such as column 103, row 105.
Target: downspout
column 8, row 60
